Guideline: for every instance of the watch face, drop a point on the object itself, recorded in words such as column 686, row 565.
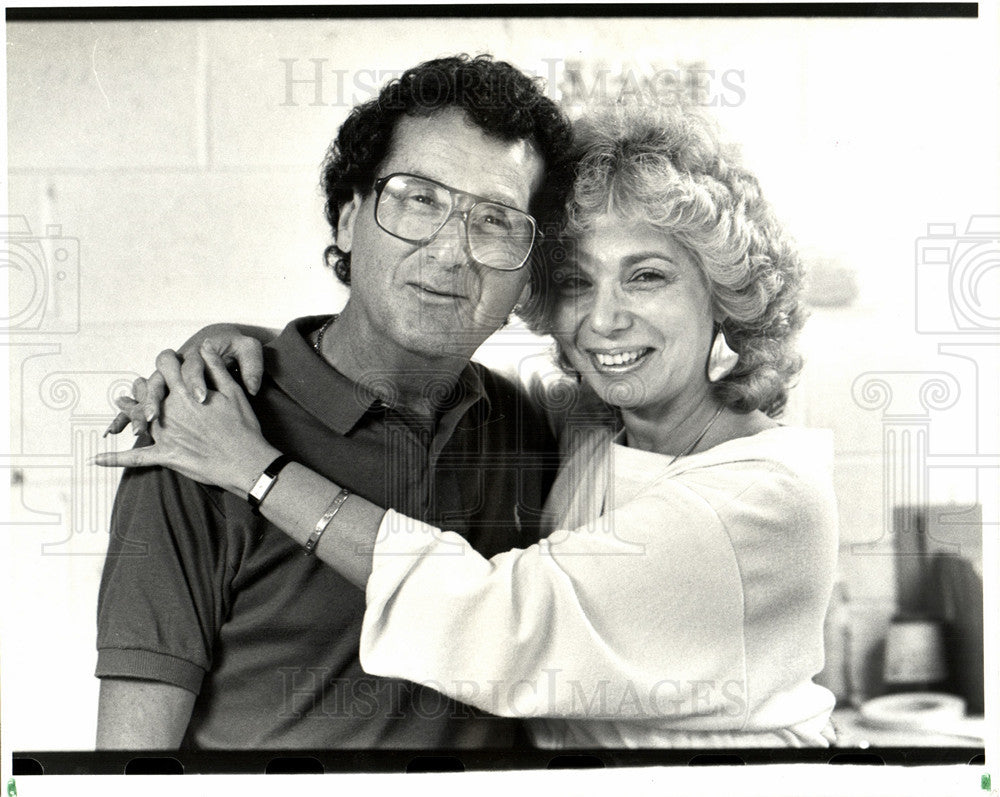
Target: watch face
column 259, row 490
column 266, row 480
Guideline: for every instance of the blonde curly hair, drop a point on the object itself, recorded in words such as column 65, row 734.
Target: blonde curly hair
column 668, row 168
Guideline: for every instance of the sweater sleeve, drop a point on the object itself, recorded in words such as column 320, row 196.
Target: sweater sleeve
column 629, row 616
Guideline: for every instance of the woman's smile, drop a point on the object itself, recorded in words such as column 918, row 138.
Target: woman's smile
column 620, row 361
column 634, row 316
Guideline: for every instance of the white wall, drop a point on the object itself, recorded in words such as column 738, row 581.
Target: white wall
column 186, row 184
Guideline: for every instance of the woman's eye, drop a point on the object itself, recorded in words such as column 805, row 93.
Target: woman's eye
column 648, row 277
column 571, row 283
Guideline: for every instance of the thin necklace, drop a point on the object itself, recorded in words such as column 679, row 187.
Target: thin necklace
column 687, row 451
column 699, row 438
column 322, row 331
column 319, row 342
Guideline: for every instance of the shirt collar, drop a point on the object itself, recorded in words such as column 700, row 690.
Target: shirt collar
column 333, row 399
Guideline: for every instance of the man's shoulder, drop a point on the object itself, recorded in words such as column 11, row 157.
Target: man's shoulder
column 499, row 384
column 552, row 398
column 161, row 480
column 511, row 403
column 154, row 498
column 505, row 391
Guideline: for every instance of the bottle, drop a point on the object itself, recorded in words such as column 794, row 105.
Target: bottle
column 837, row 675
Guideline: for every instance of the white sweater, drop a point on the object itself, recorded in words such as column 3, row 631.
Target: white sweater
column 689, row 613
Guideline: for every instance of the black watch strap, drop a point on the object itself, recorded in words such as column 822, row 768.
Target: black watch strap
column 266, row 481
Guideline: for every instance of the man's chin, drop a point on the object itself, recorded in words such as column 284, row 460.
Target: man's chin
column 451, row 324
column 434, row 337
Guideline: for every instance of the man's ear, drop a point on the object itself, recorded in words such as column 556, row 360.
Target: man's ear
column 524, row 298
column 345, row 222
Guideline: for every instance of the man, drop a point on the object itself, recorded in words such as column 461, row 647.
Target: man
column 214, row 630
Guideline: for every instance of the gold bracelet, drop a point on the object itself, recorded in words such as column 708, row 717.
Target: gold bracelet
column 325, row 521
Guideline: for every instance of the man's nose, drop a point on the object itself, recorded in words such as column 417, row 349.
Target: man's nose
column 450, row 247
column 609, row 312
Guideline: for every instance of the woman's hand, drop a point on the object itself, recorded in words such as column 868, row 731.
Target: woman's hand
column 217, row 441
column 186, row 371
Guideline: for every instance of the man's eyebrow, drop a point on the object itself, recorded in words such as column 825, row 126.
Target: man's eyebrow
column 500, row 198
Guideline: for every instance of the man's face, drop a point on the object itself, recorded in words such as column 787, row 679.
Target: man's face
column 432, row 299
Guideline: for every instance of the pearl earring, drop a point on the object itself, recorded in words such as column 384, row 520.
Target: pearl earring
column 721, row 359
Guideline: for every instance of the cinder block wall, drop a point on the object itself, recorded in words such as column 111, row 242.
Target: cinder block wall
column 168, row 173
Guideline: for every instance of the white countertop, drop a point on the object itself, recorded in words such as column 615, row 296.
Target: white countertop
column 852, row 731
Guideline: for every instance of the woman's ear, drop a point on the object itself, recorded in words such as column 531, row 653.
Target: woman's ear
column 345, row 222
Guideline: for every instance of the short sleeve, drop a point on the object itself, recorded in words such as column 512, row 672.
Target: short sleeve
column 162, row 589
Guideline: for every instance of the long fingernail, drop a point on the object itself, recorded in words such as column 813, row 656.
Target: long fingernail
column 108, row 430
column 200, row 395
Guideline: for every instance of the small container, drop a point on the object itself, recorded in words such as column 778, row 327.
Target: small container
column 914, row 655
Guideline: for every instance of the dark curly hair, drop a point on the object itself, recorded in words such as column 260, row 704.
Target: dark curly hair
column 502, row 101
column 668, row 168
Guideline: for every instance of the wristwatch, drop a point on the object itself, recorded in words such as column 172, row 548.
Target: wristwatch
column 265, row 482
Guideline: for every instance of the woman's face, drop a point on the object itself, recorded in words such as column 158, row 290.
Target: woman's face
column 634, row 317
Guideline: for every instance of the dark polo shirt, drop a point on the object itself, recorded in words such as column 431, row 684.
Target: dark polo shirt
column 199, row 592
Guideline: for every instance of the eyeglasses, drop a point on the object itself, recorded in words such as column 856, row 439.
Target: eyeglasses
column 415, row 209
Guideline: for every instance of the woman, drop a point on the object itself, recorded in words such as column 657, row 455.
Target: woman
column 679, row 600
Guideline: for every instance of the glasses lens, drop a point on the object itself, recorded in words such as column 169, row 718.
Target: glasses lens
column 500, row 237
column 415, row 209
column 412, row 208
